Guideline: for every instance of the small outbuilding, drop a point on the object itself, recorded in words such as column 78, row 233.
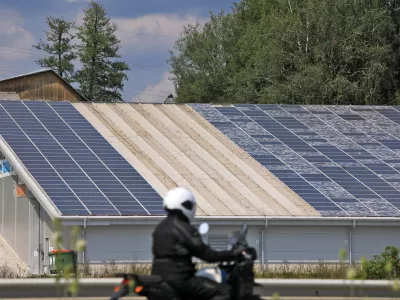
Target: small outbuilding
column 44, row 84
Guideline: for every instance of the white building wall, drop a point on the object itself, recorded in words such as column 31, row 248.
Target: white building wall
column 291, row 244
column 130, row 243
column 21, row 219
column 17, row 221
column 305, row 243
column 120, row 244
column 369, row 241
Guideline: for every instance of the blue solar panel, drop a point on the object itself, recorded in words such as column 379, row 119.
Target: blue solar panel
column 342, row 160
column 79, row 170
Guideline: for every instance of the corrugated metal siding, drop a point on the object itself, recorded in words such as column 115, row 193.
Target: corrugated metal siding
column 171, row 145
column 218, row 242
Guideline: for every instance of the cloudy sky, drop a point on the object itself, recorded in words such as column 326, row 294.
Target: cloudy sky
column 147, row 29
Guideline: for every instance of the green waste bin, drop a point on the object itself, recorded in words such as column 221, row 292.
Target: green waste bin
column 59, row 260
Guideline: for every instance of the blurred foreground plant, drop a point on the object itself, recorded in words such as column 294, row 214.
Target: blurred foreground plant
column 69, row 271
column 383, row 266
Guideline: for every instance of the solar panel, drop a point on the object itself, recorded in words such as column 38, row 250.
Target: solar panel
column 78, row 169
column 342, row 160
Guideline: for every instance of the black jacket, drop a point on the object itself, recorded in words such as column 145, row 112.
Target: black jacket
column 175, row 242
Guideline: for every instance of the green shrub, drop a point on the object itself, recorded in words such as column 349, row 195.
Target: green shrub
column 383, row 266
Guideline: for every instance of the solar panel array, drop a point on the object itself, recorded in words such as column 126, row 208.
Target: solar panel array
column 342, row 160
column 77, row 168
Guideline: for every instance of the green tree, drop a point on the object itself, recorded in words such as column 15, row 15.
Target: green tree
column 60, row 48
column 383, row 266
column 200, row 71
column 101, row 77
column 292, row 51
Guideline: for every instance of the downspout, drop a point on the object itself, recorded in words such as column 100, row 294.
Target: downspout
column 84, row 238
column 262, row 246
column 351, row 243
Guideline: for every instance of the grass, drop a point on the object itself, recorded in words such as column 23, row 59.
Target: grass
column 9, row 272
column 289, row 271
column 110, row 269
column 311, row 271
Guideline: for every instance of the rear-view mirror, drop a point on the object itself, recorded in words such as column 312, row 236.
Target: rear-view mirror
column 204, row 228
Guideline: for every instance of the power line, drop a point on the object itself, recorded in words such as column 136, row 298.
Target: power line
column 138, row 66
column 8, row 71
column 152, row 34
column 11, row 14
column 15, row 47
column 146, row 89
column 10, row 50
column 163, row 92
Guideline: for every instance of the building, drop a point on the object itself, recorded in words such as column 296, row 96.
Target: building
column 44, row 84
column 308, row 180
column 9, row 96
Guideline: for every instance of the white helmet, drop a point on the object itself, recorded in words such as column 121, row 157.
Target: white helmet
column 182, row 199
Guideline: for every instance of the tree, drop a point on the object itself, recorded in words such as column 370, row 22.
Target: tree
column 292, row 51
column 59, row 47
column 200, row 69
column 101, row 77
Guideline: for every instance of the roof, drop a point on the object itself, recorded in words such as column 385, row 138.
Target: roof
column 45, row 71
column 75, row 171
column 256, row 162
column 9, row 96
column 172, row 145
column 342, row 160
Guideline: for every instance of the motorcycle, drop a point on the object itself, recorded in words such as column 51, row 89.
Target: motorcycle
column 238, row 274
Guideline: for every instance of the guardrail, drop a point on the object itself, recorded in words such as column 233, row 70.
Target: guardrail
column 103, row 287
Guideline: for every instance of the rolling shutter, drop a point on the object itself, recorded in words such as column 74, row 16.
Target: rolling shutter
column 218, row 242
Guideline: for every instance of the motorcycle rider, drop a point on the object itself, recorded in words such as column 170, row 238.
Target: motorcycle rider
column 176, row 241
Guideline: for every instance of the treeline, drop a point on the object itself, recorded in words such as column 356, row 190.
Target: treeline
column 292, row 51
column 95, row 45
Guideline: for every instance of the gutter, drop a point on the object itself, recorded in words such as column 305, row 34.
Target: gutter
column 244, row 218
column 234, row 221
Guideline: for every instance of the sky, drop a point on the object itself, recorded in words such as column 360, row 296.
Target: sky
column 147, row 30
